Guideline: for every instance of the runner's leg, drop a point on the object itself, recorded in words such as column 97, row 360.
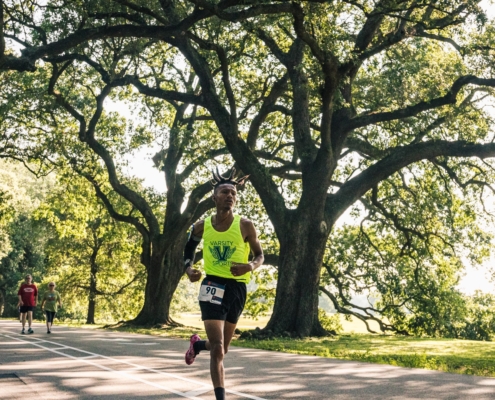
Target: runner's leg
column 47, row 316
column 214, row 331
column 228, row 333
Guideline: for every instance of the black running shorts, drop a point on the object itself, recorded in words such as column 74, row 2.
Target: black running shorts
column 25, row 309
column 233, row 301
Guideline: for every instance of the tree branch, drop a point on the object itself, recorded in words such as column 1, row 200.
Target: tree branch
column 168, row 95
column 278, row 88
column 86, row 134
column 398, row 158
column 142, row 10
column 449, row 98
column 2, row 38
column 224, row 65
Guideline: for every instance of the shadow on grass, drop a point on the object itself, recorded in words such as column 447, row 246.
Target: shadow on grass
column 447, row 355
column 176, row 330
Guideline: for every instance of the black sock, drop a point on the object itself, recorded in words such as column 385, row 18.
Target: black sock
column 199, row 345
column 220, row 393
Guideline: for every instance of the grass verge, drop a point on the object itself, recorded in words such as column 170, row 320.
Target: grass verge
column 447, row 355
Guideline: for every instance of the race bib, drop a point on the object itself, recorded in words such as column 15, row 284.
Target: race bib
column 211, row 292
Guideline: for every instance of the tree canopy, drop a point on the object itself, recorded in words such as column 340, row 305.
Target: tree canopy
column 324, row 103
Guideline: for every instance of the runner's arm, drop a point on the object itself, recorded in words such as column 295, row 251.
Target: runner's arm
column 251, row 237
column 190, row 251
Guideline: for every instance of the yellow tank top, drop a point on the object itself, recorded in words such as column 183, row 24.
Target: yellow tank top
column 221, row 249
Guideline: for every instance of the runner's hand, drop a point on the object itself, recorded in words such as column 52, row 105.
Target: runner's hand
column 238, row 269
column 193, row 274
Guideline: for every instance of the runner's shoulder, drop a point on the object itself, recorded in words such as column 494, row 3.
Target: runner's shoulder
column 246, row 222
column 247, row 228
column 199, row 228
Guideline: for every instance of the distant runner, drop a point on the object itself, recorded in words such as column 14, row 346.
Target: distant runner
column 28, row 297
column 51, row 299
column 228, row 241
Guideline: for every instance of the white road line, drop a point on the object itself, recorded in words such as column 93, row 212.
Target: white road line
column 135, row 344
column 119, row 362
column 84, row 360
column 134, row 369
column 206, row 387
column 198, row 392
column 87, row 358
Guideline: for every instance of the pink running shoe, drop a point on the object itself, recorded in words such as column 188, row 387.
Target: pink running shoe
column 191, row 354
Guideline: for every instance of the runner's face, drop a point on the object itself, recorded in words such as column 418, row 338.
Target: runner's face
column 28, row 279
column 225, row 196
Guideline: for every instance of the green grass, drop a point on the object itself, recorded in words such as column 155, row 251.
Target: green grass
column 352, row 326
column 448, row 355
column 184, row 332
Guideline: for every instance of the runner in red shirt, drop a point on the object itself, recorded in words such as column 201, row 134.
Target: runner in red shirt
column 28, row 297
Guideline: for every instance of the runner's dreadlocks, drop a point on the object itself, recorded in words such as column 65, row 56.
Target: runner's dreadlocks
column 219, row 179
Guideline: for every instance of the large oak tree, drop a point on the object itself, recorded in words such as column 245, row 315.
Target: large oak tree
column 328, row 100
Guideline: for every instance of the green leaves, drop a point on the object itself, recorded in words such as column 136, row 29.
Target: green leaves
column 91, row 256
column 306, row 97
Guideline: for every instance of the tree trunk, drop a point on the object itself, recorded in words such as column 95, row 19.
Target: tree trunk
column 91, row 310
column 296, row 302
column 164, row 274
column 92, row 293
column 2, row 303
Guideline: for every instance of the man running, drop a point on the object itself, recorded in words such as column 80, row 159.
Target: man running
column 28, row 297
column 228, row 241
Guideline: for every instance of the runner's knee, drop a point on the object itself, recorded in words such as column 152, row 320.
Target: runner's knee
column 217, row 349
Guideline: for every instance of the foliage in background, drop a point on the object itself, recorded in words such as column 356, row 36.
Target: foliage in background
column 93, row 259
column 185, row 298
column 23, row 239
column 480, row 318
column 330, row 322
column 409, row 258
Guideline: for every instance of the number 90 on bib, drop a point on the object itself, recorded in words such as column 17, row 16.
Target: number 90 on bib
column 211, row 292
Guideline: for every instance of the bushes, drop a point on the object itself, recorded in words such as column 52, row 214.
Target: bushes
column 480, row 321
column 330, row 322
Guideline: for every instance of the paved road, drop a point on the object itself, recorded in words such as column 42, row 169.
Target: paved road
column 85, row 364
